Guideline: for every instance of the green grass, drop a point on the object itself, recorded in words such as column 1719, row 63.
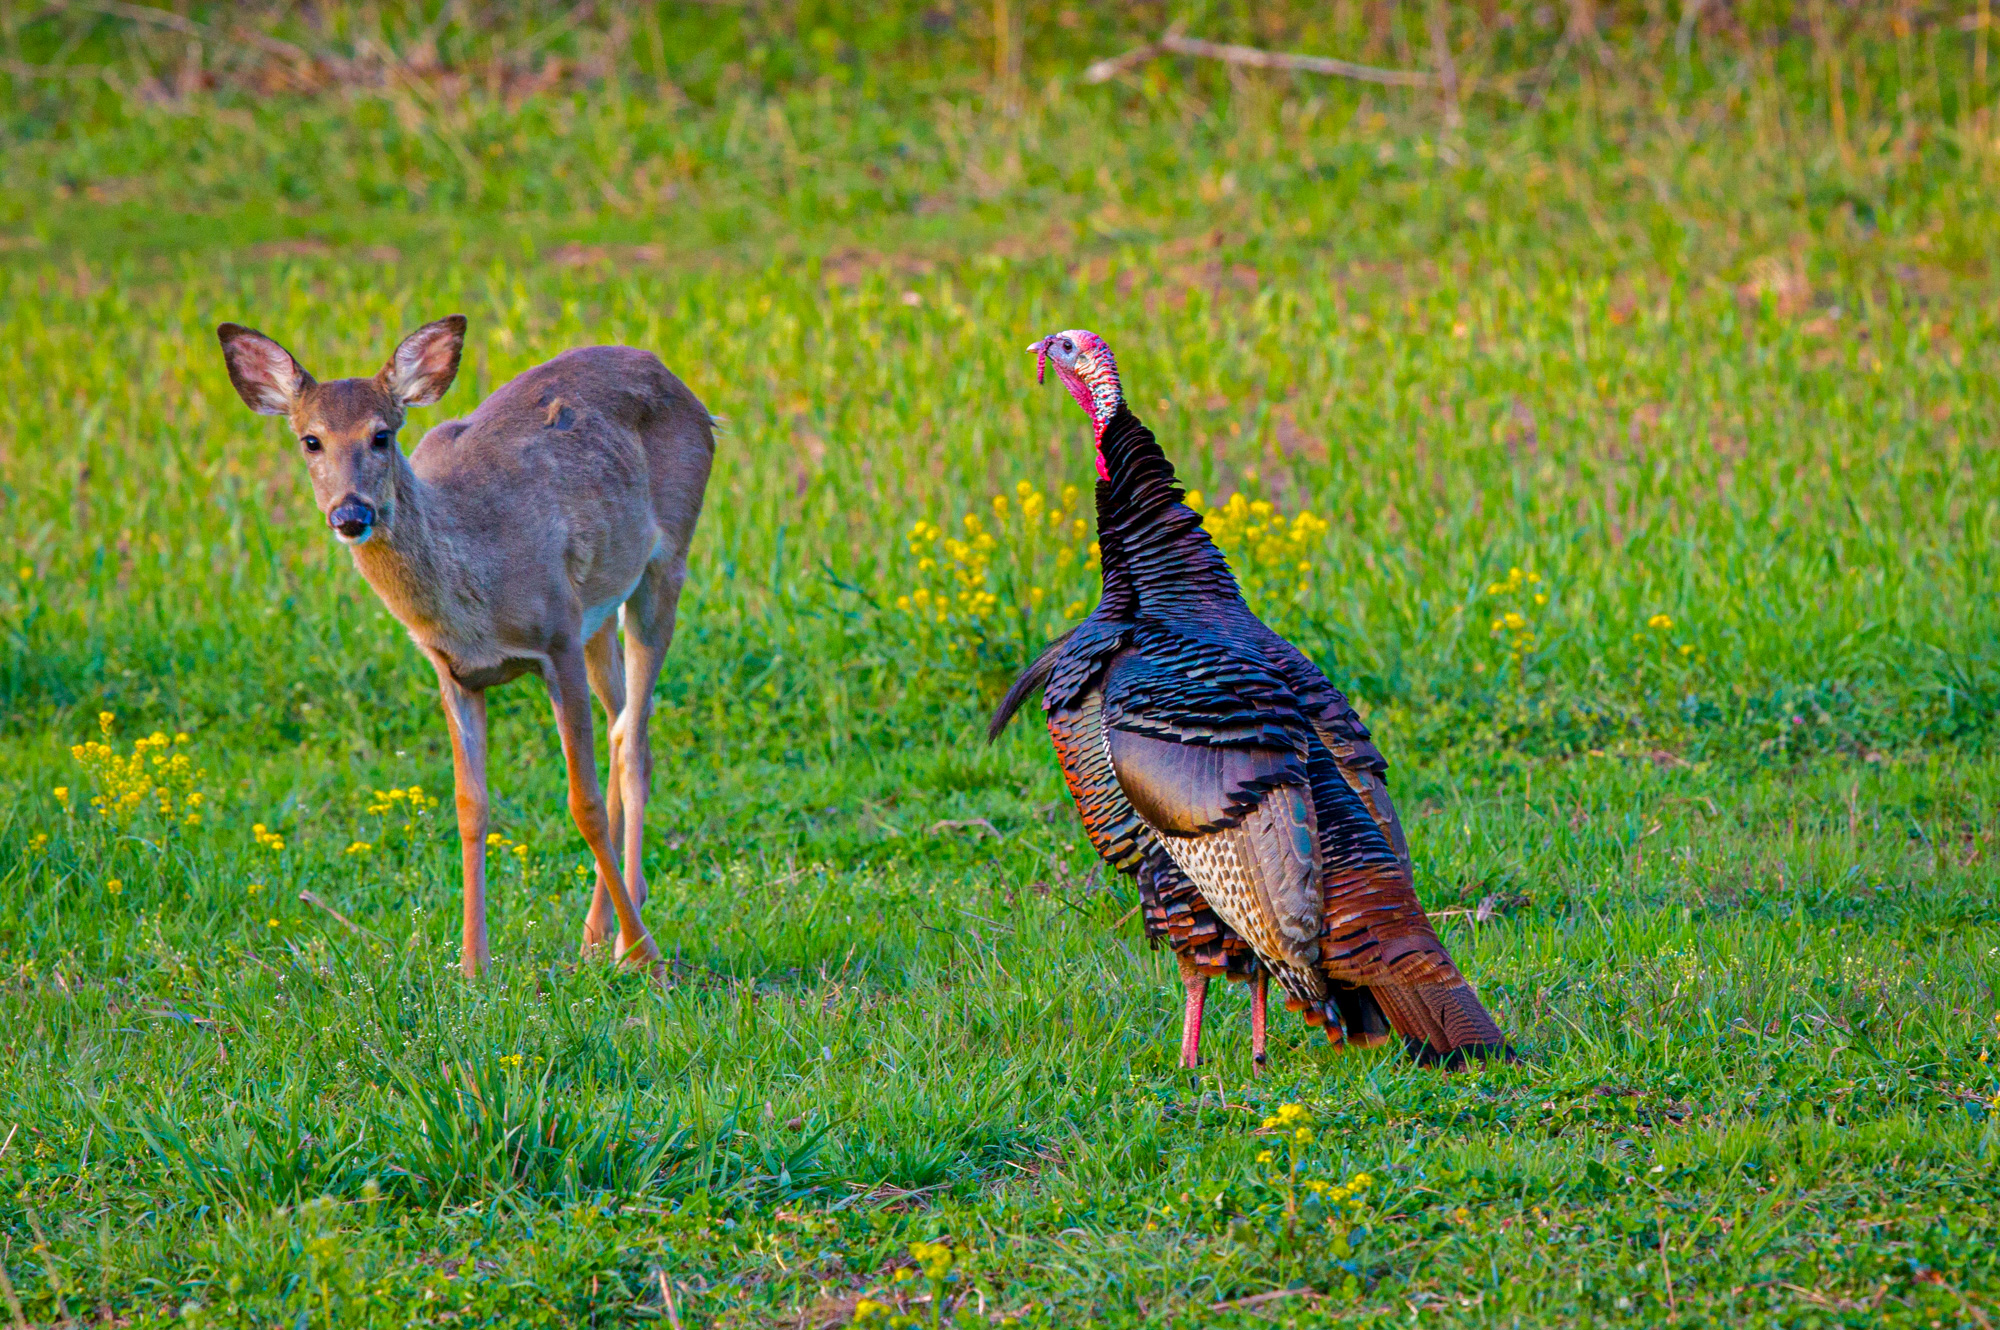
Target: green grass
column 1668, row 340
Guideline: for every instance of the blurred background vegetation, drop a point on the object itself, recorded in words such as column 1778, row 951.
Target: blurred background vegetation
column 1676, row 303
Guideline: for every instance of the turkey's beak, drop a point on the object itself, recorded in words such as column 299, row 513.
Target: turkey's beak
column 1040, row 351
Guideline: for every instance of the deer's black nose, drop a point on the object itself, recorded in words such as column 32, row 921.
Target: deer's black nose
column 351, row 519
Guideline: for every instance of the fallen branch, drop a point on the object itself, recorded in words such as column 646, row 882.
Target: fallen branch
column 318, row 904
column 966, row 824
column 1447, row 67
column 13, row 1299
column 667, row 1300
column 22, row 70
column 1259, row 1299
column 1172, row 43
column 164, row 18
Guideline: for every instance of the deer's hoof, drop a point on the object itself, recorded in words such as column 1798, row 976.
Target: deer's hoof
column 640, row 954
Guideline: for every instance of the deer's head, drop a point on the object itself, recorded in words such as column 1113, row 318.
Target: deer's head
column 347, row 427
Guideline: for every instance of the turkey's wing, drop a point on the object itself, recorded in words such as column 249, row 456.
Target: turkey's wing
column 1239, row 822
column 1174, row 907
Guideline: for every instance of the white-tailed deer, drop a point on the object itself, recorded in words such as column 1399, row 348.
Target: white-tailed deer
column 515, row 541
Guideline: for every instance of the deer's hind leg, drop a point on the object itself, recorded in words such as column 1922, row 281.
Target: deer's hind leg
column 649, row 629
column 607, row 680
column 568, row 680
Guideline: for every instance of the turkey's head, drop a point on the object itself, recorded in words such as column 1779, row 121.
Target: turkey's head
column 1084, row 364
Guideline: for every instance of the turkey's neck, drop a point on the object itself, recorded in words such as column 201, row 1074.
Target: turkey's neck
column 1154, row 552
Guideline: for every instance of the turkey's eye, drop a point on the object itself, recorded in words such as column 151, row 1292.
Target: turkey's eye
column 1069, row 345
column 382, row 438
column 311, row 441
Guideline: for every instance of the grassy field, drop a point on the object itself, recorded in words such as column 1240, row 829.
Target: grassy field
column 1647, row 402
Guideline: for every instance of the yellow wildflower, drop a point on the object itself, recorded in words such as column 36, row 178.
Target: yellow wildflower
column 114, row 886
column 1660, row 622
column 935, row 1257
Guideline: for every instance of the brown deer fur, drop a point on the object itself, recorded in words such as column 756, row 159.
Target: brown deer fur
column 512, row 542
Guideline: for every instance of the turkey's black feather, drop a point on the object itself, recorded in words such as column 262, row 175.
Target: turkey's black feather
column 1032, row 680
column 1181, row 720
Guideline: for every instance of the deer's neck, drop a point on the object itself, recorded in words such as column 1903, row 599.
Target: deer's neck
column 411, row 562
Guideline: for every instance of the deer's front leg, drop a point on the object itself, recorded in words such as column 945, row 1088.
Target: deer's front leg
column 465, row 713
column 569, row 693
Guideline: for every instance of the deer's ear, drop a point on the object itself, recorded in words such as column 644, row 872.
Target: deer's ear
column 426, row 362
column 266, row 377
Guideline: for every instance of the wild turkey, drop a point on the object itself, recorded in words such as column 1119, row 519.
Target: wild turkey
column 1215, row 764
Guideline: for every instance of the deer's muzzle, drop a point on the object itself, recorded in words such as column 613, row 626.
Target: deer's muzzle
column 351, row 520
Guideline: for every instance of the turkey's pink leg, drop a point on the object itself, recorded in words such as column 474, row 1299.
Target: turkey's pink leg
column 1197, row 998
column 1259, row 987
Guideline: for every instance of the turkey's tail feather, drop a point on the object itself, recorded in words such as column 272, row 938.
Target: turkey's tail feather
column 1441, row 1024
column 1031, row 682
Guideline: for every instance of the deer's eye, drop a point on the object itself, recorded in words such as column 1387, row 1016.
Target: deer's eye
column 311, row 441
column 382, row 438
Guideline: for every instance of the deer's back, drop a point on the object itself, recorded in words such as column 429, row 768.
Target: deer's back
column 593, row 463
column 596, row 426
